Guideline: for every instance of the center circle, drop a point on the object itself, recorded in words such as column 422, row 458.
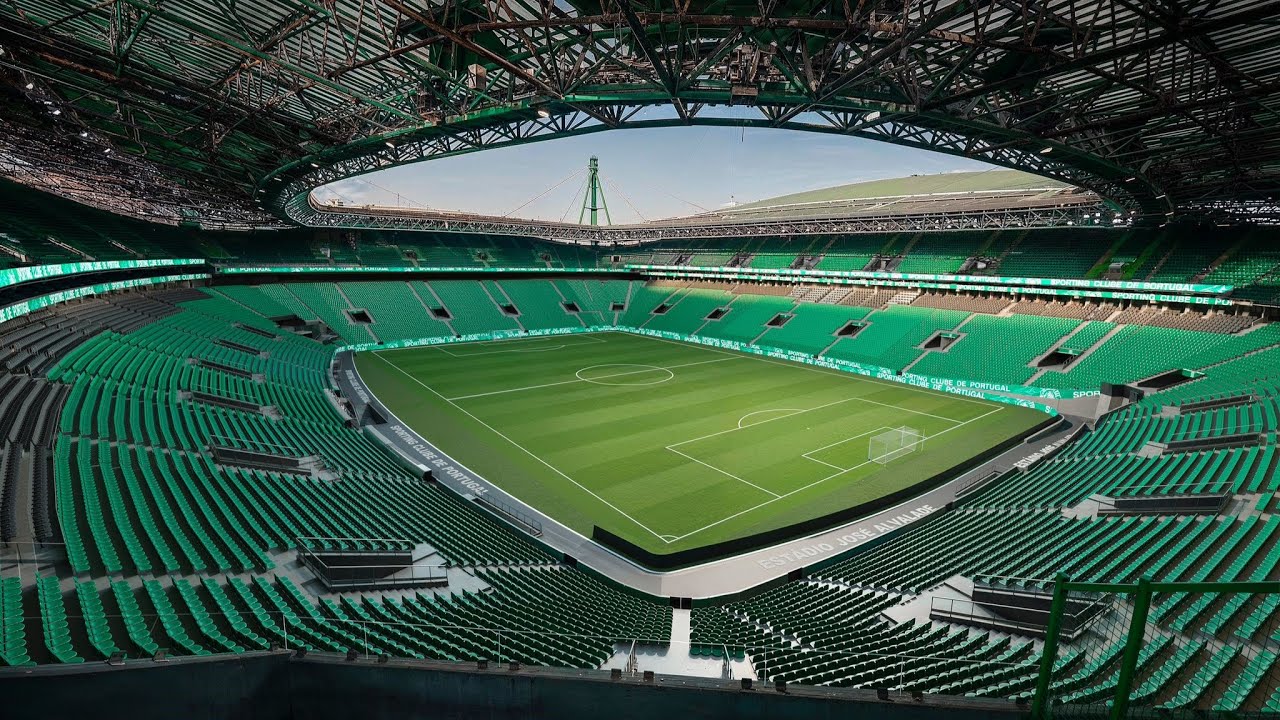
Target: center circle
column 624, row 374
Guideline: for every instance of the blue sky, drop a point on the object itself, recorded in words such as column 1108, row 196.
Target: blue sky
column 661, row 172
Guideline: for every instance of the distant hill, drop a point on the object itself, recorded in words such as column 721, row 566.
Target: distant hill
column 957, row 182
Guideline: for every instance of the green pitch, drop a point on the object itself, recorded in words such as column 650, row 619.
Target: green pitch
column 673, row 445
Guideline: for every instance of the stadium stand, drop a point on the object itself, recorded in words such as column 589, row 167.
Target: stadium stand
column 999, row 349
column 472, row 307
column 1135, row 352
column 171, row 547
column 812, row 328
column 892, row 336
column 140, row 493
column 746, row 317
column 540, row 304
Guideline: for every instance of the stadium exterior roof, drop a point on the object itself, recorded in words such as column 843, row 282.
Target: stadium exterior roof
column 1156, row 106
column 1013, row 208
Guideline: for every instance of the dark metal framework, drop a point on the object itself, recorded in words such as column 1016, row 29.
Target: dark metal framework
column 1058, row 212
column 1152, row 104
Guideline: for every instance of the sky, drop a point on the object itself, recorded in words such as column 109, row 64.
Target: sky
column 647, row 173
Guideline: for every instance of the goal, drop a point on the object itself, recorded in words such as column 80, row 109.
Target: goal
column 893, row 444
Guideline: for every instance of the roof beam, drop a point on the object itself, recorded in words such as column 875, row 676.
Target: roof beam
column 641, row 37
column 1085, row 61
column 199, row 29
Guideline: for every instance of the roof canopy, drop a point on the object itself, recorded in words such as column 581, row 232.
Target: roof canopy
column 1154, row 105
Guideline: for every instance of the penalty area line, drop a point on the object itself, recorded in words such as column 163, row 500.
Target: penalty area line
column 722, row 472
column 527, row 452
column 822, row 480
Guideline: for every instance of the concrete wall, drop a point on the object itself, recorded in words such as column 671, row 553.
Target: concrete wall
column 277, row 686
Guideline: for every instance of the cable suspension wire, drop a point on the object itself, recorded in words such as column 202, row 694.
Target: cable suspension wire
column 544, row 192
column 674, row 197
column 613, row 186
column 574, row 200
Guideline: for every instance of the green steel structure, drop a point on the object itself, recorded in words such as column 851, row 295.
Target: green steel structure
column 1128, row 623
column 593, row 197
column 246, row 107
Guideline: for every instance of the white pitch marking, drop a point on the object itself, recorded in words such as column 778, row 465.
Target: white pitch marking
column 525, row 450
column 762, row 422
column 789, row 411
column 824, row 462
column 829, row 477
column 722, row 472
column 841, row 442
column 595, row 380
column 446, row 351
column 578, row 380
column 584, row 338
column 824, row 371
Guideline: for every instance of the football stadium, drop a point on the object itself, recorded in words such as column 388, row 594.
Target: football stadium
column 998, row 441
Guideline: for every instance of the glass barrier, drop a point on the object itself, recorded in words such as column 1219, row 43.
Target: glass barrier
column 16, row 276
column 36, row 303
column 792, row 274
column 339, row 269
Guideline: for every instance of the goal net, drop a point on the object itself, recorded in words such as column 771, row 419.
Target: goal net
column 893, row 444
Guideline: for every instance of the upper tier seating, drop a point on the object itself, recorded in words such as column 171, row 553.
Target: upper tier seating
column 1186, row 320
column 1055, row 254
column 968, row 303
column 1068, row 309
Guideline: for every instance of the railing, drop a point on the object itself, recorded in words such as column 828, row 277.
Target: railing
column 1018, row 605
column 1125, row 661
column 316, row 552
column 1151, row 648
column 512, row 512
column 897, row 673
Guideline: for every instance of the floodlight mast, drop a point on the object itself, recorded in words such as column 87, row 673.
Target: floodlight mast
column 593, row 198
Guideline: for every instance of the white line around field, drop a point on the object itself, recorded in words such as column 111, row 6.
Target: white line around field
column 722, row 472
column 824, row 371
column 526, row 451
column 587, row 380
column 538, row 349
column 829, row 477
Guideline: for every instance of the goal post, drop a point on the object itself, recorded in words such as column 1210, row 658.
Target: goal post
column 893, row 444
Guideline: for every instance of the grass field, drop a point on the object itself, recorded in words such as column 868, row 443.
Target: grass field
column 673, row 445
